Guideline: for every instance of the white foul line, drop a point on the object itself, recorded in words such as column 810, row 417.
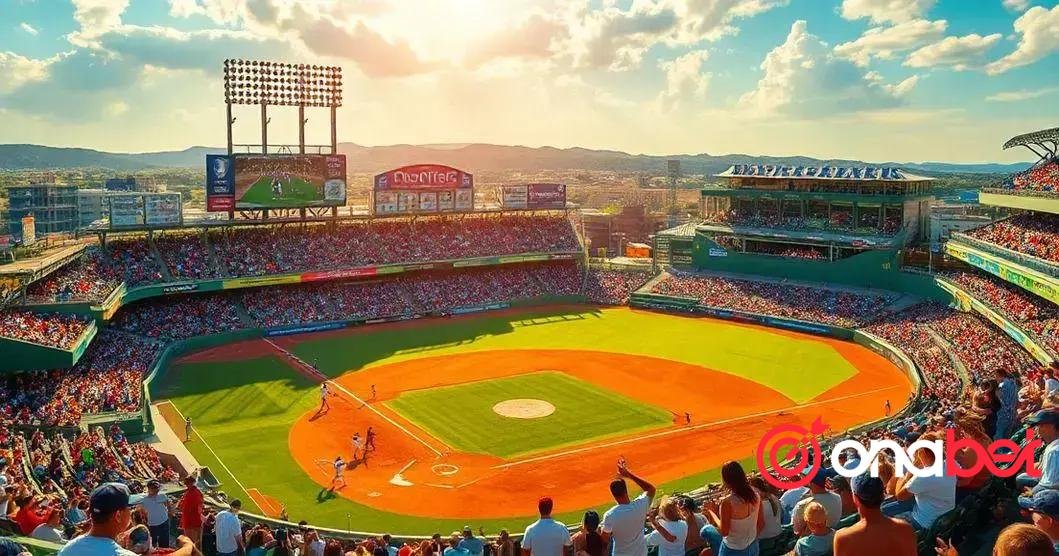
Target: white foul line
column 685, row 429
column 210, row 448
column 388, row 420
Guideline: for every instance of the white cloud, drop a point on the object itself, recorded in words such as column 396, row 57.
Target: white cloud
column 1020, row 95
column 617, row 39
column 712, row 19
column 804, row 78
column 96, row 17
column 1039, row 28
column 19, row 70
column 1017, row 5
column 883, row 11
column 884, row 42
column 534, row 37
column 29, row 28
column 958, row 52
column 685, row 79
column 116, row 108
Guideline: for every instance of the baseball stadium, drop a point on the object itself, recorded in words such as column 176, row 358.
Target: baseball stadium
column 365, row 383
column 331, row 372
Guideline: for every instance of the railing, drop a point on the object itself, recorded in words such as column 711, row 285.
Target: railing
column 1028, row 261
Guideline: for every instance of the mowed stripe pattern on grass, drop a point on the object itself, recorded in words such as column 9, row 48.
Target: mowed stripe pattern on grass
column 296, row 192
column 462, row 415
column 774, row 359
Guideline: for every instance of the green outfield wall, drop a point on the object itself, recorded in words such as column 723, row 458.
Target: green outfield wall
column 20, row 355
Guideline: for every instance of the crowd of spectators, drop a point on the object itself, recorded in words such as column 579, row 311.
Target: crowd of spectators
column 179, row 317
column 57, row 330
column 81, row 280
column 447, row 290
column 257, row 251
column 186, row 256
column 838, row 221
column 328, row 301
column 1035, row 234
column 108, row 377
column 1036, row 316
column 777, row 299
column 613, row 287
column 1041, row 178
column 787, row 250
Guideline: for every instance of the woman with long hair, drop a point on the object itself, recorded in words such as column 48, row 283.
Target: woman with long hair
column 587, row 541
column 670, row 530
column 736, row 521
column 771, row 509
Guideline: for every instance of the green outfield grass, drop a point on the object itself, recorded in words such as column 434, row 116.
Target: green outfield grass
column 462, row 416
column 244, row 409
column 297, row 193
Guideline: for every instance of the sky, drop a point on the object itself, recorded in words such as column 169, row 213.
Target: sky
column 876, row 80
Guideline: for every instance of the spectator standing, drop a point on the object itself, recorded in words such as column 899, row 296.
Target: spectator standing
column 110, row 505
column 454, row 546
column 624, row 522
column 545, row 537
column 228, row 530
column 874, row 533
column 588, row 541
column 191, row 506
column 314, row 544
column 670, row 530
column 473, row 545
column 737, row 520
column 503, row 546
column 156, row 509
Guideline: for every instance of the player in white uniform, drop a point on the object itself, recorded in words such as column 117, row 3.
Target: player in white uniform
column 356, row 445
column 340, row 468
column 325, row 392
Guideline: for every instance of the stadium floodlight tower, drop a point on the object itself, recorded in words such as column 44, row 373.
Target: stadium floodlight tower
column 266, row 83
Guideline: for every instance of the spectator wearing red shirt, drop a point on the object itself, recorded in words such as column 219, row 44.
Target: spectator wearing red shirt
column 31, row 512
column 191, row 511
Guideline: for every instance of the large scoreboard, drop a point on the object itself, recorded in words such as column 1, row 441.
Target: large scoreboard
column 255, row 181
column 423, row 189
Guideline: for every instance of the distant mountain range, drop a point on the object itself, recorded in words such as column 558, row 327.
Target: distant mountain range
column 471, row 157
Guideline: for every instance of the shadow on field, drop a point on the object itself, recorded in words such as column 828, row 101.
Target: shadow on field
column 340, row 353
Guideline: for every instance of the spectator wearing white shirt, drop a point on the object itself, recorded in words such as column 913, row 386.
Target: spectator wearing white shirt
column 624, row 523
column 818, row 492
column 110, row 506
column 51, row 530
column 670, row 530
column 934, row 496
column 314, row 543
column 545, row 537
column 156, row 509
column 228, row 530
column 1046, row 423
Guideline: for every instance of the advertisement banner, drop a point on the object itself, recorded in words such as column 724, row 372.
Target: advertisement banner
column 220, row 183
column 418, row 177
column 163, row 209
column 544, row 196
column 1043, row 287
column 513, row 197
column 464, row 200
column 126, row 211
column 260, row 281
column 300, row 329
column 966, row 302
column 339, row 274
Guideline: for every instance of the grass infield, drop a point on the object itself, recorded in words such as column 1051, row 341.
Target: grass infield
column 462, row 415
column 244, row 409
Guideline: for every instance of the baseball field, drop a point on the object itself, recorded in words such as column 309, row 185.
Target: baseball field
column 478, row 416
column 297, row 192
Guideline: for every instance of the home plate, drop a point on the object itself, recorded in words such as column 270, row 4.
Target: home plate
column 399, row 480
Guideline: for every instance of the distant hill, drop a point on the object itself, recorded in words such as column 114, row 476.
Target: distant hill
column 473, row 157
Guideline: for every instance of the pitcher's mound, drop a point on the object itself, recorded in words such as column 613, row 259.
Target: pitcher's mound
column 524, row 408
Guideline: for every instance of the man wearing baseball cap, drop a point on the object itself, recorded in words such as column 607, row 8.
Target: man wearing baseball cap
column 110, row 509
column 1044, row 511
column 875, row 533
column 818, row 492
column 1046, row 423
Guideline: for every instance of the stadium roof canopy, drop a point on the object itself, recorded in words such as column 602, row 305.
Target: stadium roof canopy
column 683, row 230
column 1045, row 139
column 837, row 173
